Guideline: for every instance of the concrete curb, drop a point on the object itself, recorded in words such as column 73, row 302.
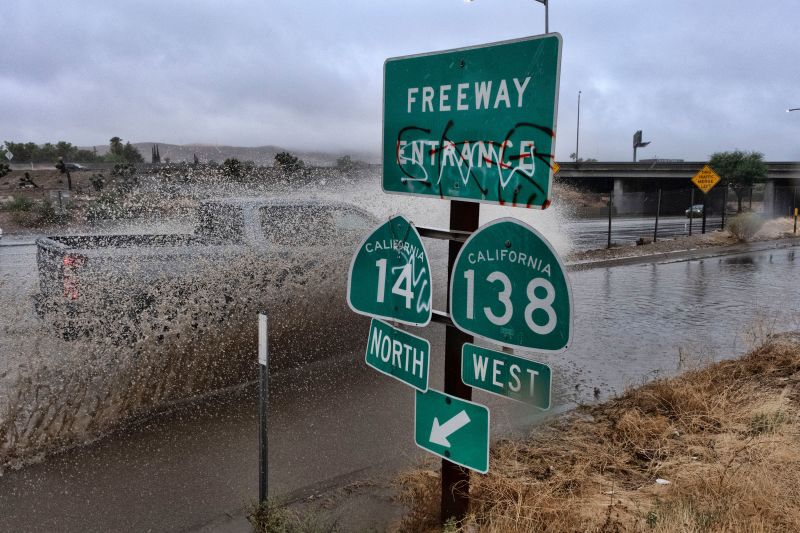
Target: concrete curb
column 688, row 254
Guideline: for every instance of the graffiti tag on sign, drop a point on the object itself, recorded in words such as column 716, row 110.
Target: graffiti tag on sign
column 474, row 123
column 390, row 275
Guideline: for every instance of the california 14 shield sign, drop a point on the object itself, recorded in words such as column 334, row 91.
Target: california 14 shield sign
column 390, row 275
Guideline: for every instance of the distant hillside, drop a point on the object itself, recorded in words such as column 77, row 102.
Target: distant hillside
column 261, row 155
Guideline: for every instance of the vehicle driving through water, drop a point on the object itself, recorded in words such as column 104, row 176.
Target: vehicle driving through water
column 244, row 254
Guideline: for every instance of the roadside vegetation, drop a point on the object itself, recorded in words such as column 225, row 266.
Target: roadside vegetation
column 745, row 226
column 49, row 153
column 272, row 516
column 29, row 213
column 739, row 170
column 715, row 449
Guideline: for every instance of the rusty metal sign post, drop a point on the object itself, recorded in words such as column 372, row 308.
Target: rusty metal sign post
column 464, row 216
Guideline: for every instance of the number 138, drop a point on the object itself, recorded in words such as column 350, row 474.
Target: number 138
column 504, row 297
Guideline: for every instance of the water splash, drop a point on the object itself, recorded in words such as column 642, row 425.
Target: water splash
column 159, row 329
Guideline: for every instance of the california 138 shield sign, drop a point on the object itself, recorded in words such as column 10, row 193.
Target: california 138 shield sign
column 510, row 287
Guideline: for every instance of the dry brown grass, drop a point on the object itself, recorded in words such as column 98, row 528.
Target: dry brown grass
column 726, row 437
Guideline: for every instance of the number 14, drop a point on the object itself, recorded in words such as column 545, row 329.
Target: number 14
column 401, row 287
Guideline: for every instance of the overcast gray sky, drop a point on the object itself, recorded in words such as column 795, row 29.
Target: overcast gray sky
column 695, row 76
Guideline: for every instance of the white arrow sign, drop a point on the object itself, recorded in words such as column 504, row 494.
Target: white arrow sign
column 439, row 433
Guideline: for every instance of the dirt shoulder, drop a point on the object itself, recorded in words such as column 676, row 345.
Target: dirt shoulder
column 715, row 449
column 716, row 242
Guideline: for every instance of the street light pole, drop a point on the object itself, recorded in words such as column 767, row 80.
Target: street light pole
column 578, row 129
column 546, row 14
column 546, row 4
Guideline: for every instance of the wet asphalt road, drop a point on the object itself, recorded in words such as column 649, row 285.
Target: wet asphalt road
column 593, row 233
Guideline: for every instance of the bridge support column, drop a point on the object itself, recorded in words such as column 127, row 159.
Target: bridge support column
column 619, row 195
column 768, row 207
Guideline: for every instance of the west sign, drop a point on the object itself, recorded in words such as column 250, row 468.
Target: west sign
column 474, row 124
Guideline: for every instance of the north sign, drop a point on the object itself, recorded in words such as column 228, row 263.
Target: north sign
column 398, row 354
column 475, row 124
column 390, row 275
column 452, row 428
column 506, row 375
column 510, row 287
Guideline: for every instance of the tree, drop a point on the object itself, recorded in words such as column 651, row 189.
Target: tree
column 23, row 152
column 122, row 153
column 232, row 168
column 33, row 153
column 65, row 149
column 288, row 163
column 582, row 160
column 125, row 176
column 115, row 146
column 131, row 154
column 98, row 182
column 739, row 170
column 4, row 169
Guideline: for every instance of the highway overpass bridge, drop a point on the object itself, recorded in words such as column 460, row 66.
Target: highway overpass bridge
column 634, row 186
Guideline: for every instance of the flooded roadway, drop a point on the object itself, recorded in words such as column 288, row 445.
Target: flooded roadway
column 338, row 418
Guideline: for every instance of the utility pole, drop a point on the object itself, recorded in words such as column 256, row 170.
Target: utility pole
column 578, row 129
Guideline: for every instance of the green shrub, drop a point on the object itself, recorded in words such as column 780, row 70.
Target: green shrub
column 45, row 212
column 275, row 517
column 106, row 205
column 767, row 422
column 19, row 204
column 29, row 213
column 124, row 176
column 745, row 226
column 98, row 182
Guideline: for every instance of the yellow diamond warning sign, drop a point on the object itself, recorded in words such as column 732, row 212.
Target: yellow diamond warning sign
column 705, row 179
column 556, row 168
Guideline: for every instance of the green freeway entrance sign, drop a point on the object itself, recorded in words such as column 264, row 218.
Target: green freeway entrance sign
column 509, row 287
column 452, row 428
column 390, row 276
column 398, row 354
column 475, row 123
column 506, row 375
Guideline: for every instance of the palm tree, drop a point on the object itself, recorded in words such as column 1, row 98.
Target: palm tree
column 115, row 145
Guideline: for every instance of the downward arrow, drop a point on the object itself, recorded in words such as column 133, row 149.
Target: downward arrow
column 439, row 433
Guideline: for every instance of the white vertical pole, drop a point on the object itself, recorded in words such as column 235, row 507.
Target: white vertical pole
column 263, row 465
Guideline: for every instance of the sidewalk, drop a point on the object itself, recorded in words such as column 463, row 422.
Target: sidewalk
column 362, row 501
